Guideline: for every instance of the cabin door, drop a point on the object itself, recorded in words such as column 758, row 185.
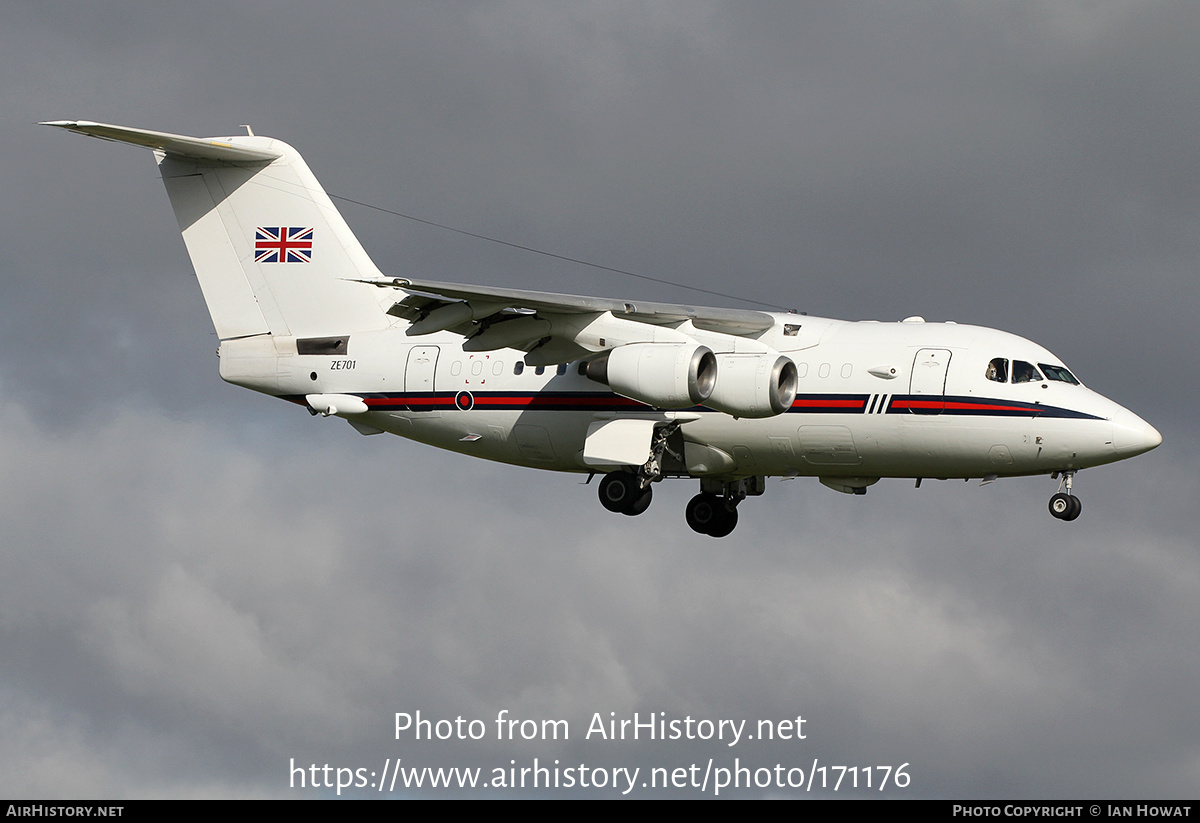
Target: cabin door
column 928, row 382
column 418, row 378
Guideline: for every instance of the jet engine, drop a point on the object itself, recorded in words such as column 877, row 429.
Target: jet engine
column 753, row 385
column 663, row 375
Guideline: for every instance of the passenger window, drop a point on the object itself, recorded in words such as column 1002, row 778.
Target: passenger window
column 1058, row 373
column 519, row 367
column 997, row 370
column 562, row 368
column 1024, row 372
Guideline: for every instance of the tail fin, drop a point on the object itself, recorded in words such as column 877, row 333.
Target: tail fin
column 271, row 252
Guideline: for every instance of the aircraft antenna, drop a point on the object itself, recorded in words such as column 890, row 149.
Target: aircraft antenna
column 544, row 253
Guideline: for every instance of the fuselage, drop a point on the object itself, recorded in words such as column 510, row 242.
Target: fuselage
column 909, row 399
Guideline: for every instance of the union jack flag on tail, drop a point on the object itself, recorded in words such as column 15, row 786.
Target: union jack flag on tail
column 283, row 244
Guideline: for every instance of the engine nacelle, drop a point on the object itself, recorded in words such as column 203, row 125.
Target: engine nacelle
column 753, row 385
column 663, row 375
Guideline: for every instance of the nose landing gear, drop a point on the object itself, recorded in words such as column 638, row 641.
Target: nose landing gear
column 1065, row 505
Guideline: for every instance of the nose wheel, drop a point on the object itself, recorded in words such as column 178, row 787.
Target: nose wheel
column 1064, row 505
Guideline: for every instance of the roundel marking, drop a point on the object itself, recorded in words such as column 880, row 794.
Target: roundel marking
column 464, row 401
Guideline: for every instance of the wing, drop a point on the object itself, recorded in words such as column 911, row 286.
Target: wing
column 556, row 328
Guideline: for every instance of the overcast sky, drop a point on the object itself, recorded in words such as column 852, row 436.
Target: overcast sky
column 200, row 584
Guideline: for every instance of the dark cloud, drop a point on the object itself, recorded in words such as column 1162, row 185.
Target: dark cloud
column 200, row 584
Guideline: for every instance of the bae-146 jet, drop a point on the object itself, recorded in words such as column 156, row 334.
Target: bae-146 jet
column 632, row 390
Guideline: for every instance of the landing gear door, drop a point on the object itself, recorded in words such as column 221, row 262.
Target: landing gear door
column 618, row 443
column 928, row 381
column 418, row 377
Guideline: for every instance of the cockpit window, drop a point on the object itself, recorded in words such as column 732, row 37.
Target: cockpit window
column 997, row 370
column 1024, row 372
column 1058, row 373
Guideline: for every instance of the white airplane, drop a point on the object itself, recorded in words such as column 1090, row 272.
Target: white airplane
column 637, row 391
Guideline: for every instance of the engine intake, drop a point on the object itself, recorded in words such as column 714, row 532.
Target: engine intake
column 753, row 385
column 663, row 375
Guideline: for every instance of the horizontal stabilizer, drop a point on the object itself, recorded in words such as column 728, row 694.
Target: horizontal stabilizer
column 206, row 150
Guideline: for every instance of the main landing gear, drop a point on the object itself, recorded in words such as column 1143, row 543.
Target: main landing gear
column 1065, row 505
column 629, row 492
column 625, row 493
column 712, row 512
column 709, row 514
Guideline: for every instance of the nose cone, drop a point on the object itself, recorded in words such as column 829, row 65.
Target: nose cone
column 1133, row 435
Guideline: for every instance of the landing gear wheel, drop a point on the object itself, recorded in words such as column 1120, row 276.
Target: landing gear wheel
column 701, row 512
column 1076, row 508
column 727, row 523
column 1065, row 506
column 707, row 514
column 619, row 491
column 639, row 503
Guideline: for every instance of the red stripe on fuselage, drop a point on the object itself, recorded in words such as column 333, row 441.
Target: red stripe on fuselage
column 956, row 405
column 805, row 403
